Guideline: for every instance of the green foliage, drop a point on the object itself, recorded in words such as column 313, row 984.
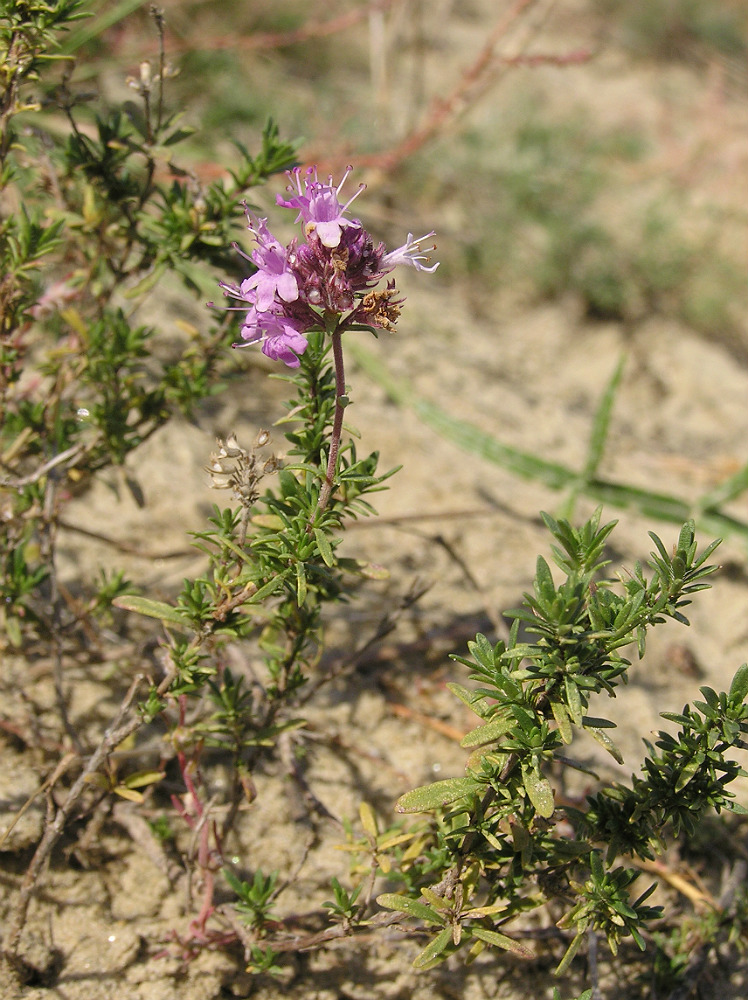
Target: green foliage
column 494, row 831
column 255, row 898
column 550, row 224
column 105, row 214
column 106, row 217
column 342, row 908
column 682, row 30
column 676, row 948
column 263, row 960
column 604, row 904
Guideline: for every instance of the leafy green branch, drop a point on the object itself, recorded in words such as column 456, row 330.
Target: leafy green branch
column 495, row 832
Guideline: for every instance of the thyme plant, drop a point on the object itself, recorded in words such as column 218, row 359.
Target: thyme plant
column 496, row 840
column 88, row 229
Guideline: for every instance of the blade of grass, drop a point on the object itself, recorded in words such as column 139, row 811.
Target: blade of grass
column 666, row 508
column 601, row 423
column 104, row 18
column 469, row 437
column 662, row 506
column 728, row 490
column 598, row 439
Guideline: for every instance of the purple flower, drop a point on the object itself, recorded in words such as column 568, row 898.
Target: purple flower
column 331, row 275
column 411, row 253
column 273, row 274
column 319, row 207
column 279, row 334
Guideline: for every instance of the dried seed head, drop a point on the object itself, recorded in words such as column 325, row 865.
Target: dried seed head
column 232, row 467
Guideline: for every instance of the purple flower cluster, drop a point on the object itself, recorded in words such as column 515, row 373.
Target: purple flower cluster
column 331, row 273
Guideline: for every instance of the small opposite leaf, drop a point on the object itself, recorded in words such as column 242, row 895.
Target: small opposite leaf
column 95, row 778
column 435, row 796
column 153, row 609
column 141, row 778
column 128, row 793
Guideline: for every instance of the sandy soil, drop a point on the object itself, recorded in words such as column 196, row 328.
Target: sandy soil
column 533, row 377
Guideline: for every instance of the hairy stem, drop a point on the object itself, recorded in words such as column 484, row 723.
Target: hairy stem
column 337, row 424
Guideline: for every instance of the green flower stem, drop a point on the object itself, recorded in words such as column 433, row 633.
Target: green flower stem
column 337, row 424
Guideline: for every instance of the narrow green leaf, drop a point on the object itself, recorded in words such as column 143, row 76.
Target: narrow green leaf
column 478, row 705
column 325, row 549
column 678, row 717
column 601, row 422
column 236, row 549
column 301, row 590
column 488, row 733
column 711, row 696
column 500, row 941
column 403, row 904
column 141, row 778
column 591, row 720
column 539, row 791
column 368, row 820
column 606, row 742
column 430, row 954
column 128, row 793
column 482, row 650
column 268, row 588
column 739, row 686
column 153, row 609
column 573, row 700
column 689, row 770
column 436, row 795
column 571, row 951
column 438, row 902
column 641, row 641
column 544, row 585
column 562, row 721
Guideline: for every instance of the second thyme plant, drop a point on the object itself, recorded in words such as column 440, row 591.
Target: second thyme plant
column 501, row 841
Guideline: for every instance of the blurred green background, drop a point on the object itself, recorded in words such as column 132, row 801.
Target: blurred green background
column 587, row 148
